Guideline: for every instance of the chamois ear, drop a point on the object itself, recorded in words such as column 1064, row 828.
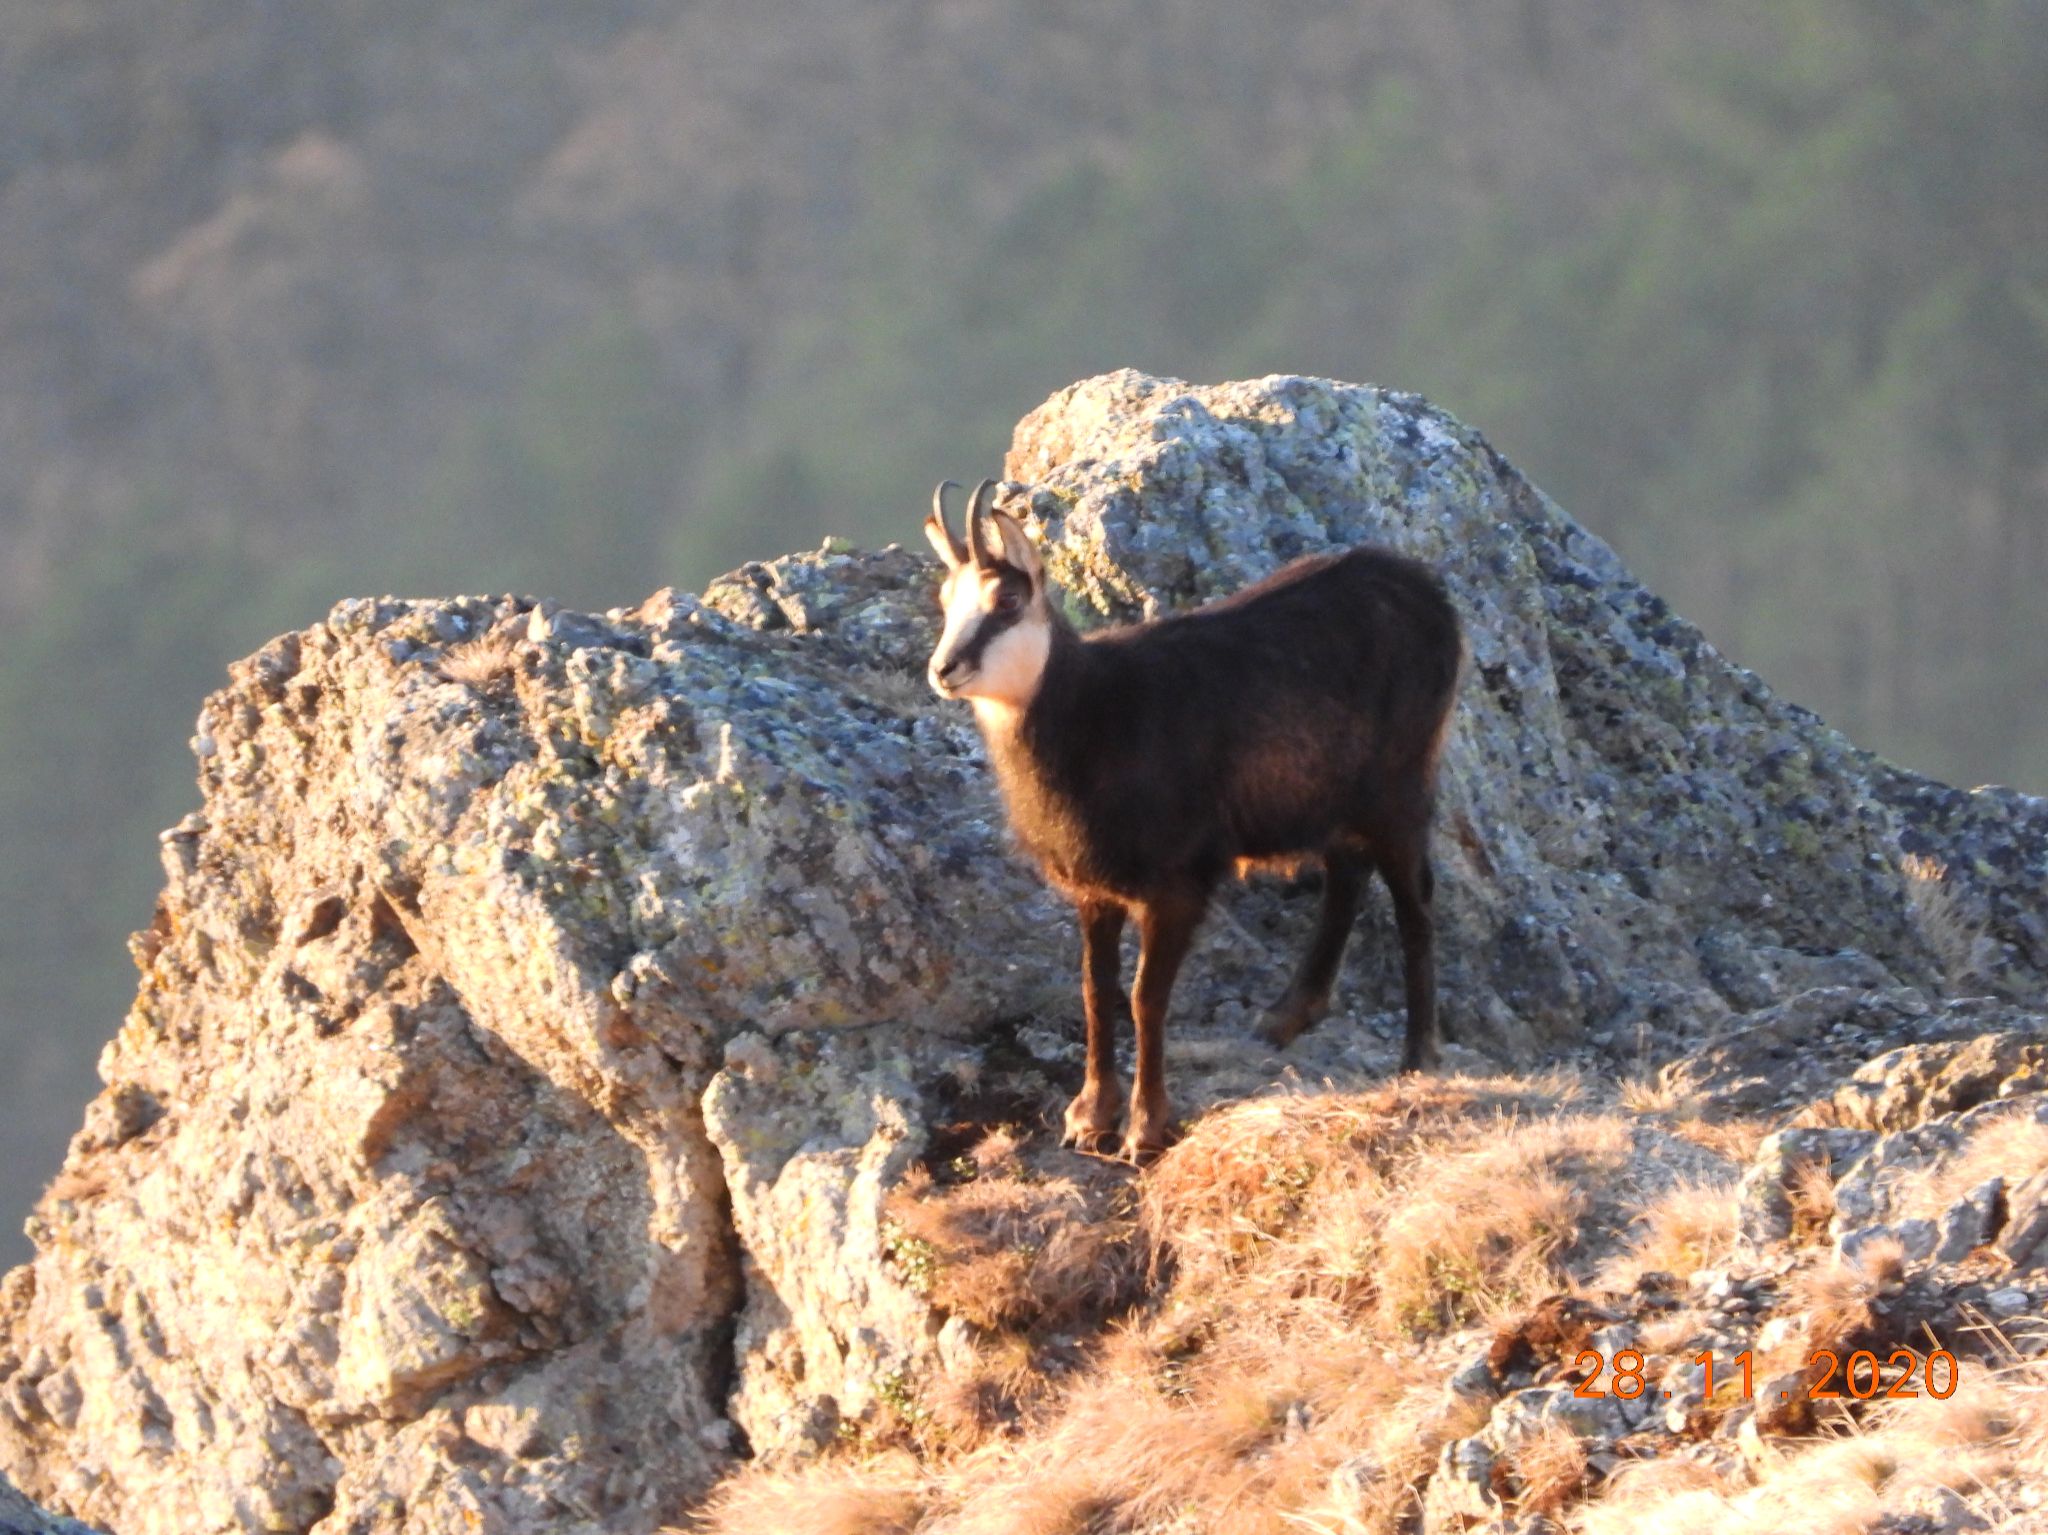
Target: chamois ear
column 948, row 548
column 1017, row 549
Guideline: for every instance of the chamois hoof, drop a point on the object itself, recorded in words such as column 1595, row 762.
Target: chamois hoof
column 1142, row 1153
column 1287, row 1022
column 1094, row 1143
column 1417, row 1061
column 1092, row 1121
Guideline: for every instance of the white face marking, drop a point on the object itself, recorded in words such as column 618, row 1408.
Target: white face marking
column 1012, row 664
column 1007, row 672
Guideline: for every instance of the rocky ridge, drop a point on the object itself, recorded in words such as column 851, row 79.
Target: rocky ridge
column 543, row 1008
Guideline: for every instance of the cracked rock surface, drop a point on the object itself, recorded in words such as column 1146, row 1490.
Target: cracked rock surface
column 540, row 1005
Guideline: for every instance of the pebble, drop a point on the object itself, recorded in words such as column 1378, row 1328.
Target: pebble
column 2008, row 1302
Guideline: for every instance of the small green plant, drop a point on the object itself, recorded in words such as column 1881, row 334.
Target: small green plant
column 915, row 1258
column 897, row 1391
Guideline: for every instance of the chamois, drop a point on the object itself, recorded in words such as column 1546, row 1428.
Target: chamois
column 1298, row 720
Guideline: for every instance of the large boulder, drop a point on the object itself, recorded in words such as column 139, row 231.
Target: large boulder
column 541, row 1006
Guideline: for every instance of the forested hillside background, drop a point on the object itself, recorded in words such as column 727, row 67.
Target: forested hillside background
column 477, row 294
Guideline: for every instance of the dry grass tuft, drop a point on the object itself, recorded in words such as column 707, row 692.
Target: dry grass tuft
column 1549, row 1469
column 1008, row 1251
column 483, row 663
column 1734, row 1139
column 1417, row 1206
column 1486, row 1225
column 1941, row 914
column 1839, row 1298
column 1650, row 1094
column 1811, row 1194
column 879, row 1497
column 1692, row 1226
column 968, row 1406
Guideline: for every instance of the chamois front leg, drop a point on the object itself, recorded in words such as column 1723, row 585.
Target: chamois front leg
column 1166, row 926
column 1092, row 1116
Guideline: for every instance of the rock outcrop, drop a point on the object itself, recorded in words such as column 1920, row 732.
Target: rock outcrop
column 18, row 1516
column 541, row 1006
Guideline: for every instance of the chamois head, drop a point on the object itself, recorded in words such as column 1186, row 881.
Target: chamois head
column 998, row 627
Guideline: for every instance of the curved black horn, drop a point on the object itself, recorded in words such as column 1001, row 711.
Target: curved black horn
column 937, row 521
column 977, row 520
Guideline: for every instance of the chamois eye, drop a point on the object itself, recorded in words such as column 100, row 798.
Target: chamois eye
column 1009, row 600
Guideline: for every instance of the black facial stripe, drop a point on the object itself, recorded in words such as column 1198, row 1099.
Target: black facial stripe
column 982, row 636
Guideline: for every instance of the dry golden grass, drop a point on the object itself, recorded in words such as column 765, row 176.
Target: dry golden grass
column 1549, row 1469
column 1735, row 1139
column 966, row 1407
column 1416, row 1206
column 877, row 1497
column 1304, row 1250
column 1672, row 1332
column 1009, row 1251
column 1481, row 1228
column 1691, row 1226
column 484, row 662
column 1646, row 1093
column 1298, row 1244
column 1837, row 1297
column 1939, row 912
column 1811, row 1194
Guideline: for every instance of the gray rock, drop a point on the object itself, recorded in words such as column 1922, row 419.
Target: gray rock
column 1781, row 1159
column 1914, row 1083
column 1931, row 1511
column 1475, row 1381
column 1612, row 1340
column 1796, row 1049
column 2010, row 1301
column 1917, row 1239
column 1461, row 1490
column 2025, row 1238
column 18, row 1516
column 1686, row 1400
column 1600, row 1417
column 1972, row 1221
column 811, row 1154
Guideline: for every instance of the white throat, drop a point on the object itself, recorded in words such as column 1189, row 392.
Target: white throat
column 998, row 715
column 1011, row 667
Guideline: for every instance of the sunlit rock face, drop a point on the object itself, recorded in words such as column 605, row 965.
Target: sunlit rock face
column 541, row 1006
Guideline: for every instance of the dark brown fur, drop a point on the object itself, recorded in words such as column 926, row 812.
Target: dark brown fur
column 1299, row 719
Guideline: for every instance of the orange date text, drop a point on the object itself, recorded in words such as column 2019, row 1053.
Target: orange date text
column 1827, row 1375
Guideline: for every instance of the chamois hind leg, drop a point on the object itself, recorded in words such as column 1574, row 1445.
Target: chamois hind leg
column 1412, row 883
column 1308, row 994
column 1166, row 926
column 1093, row 1115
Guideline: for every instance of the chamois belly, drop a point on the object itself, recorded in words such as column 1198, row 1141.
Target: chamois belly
column 1127, row 857
column 1293, row 800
